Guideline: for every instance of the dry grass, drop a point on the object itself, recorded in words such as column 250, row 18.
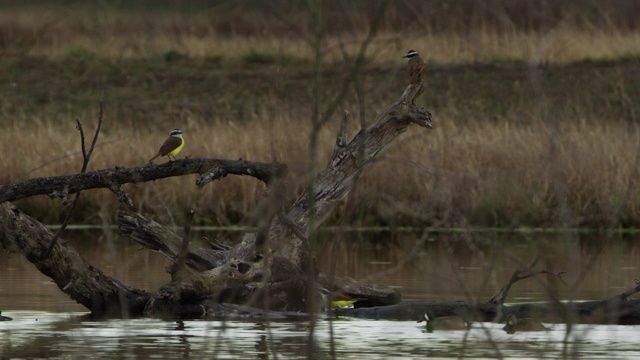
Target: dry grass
column 558, row 46
column 481, row 173
column 59, row 145
column 512, row 146
column 232, row 34
column 498, row 173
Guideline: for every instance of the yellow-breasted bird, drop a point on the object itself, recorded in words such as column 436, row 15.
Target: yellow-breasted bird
column 171, row 146
column 338, row 300
column 415, row 66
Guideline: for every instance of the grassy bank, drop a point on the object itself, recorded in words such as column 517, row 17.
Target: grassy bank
column 533, row 126
column 235, row 33
column 577, row 172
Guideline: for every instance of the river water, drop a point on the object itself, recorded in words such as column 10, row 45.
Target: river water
column 424, row 266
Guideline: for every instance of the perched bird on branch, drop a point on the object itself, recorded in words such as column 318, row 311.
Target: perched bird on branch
column 415, row 66
column 171, row 146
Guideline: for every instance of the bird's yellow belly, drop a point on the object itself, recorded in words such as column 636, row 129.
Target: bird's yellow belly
column 175, row 151
column 342, row 303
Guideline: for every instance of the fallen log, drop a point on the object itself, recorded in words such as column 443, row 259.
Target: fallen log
column 618, row 309
column 73, row 275
column 580, row 312
column 271, row 269
column 274, row 268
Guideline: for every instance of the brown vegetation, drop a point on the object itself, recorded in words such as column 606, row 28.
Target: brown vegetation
column 546, row 144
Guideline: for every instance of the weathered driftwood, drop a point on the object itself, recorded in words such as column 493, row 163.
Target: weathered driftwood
column 586, row 312
column 270, row 269
column 113, row 179
column 273, row 269
column 618, row 309
column 158, row 238
column 103, row 295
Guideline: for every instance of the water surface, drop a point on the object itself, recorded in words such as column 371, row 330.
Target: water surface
column 423, row 266
column 69, row 335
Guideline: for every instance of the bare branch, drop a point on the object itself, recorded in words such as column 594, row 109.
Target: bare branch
column 95, row 135
column 120, row 175
column 518, row 275
column 84, row 283
column 214, row 173
column 122, row 195
column 85, row 162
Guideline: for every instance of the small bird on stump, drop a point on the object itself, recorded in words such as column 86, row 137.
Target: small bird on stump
column 415, row 66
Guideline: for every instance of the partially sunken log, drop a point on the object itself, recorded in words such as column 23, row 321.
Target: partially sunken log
column 87, row 285
column 619, row 309
column 273, row 269
column 584, row 312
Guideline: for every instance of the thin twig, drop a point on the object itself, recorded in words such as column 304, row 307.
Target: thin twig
column 518, row 275
column 86, row 156
column 359, row 62
column 95, row 137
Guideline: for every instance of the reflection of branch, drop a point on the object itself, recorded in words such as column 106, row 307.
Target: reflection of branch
column 518, row 275
column 86, row 156
column 178, row 270
column 589, row 265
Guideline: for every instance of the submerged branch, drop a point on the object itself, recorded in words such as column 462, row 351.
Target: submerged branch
column 84, row 283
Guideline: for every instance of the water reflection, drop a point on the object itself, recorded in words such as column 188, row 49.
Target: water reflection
column 423, row 266
column 474, row 266
column 69, row 335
